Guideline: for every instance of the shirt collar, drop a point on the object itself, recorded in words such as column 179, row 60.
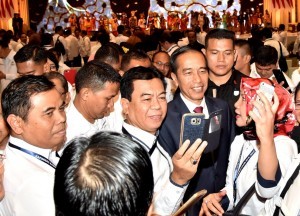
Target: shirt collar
column 191, row 106
column 21, row 143
column 141, row 135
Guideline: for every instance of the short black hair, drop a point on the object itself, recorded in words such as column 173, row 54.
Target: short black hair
column 138, row 73
column 133, row 54
column 266, row 55
column 219, row 34
column 31, row 52
column 105, row 174
column 108, row 53
column 94, row 75
column 180, row 51
column 56, row 75
column 266, row 32
column 16, row 96
column 58, row 28
column 51, row 56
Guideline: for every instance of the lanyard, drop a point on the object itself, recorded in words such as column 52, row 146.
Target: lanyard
column 238, row 169
column 33, row 154
column 140, row 141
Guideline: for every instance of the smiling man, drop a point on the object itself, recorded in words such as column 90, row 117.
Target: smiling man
column 144, row 106
column 191, row 75
column 34, row 111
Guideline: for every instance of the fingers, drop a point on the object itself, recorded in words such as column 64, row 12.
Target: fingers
column 199, row 151
column 186, row 150
column 275, row 104
column 211, row 204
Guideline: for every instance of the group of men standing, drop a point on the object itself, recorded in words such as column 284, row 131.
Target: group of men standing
column 35, row 112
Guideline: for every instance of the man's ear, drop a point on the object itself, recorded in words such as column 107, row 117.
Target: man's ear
column 125, row 106
column 203, row 51
column 247, row 58
column 84, row 93
column 16, row 123
column 174, row 78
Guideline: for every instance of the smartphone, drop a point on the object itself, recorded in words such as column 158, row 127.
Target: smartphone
column 191, row 201
column 281, row 78
column 70, row 75
column 268, row 91
column 192, row 127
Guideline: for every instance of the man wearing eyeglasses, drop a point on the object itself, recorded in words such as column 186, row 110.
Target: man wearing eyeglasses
column 161, row 60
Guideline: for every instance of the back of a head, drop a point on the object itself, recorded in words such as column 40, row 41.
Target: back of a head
column 120, row 29
column 108, row 53
column 103, row 37
column 4, row 40
column 219, row 34
column 16, row 96
column 106, row 174
column 56, row 75
column 133, row 54
column 138, row 73
column 94, row 75
column 31, row 52
column 266, row 32
column 58, row 29
column 244, row 45
column 46, row 39
column 67, row 32
column 266, row 55
column 167, row 36
column 281, row 27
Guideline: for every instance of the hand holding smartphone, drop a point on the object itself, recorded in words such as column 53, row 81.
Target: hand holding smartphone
column 192, row 127
column 268, row 91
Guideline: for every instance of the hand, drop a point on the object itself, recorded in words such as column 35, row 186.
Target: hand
column 211, row 203
column 265, row 124
column 185, row 161
column 2, row 75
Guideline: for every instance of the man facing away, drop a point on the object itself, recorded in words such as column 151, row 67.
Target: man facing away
column 145, row 106
column 34, row 111
column 191, row 74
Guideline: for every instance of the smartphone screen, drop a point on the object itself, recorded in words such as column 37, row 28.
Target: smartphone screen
column 281, row 78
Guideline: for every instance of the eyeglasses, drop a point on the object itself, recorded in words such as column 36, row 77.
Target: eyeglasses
column 160, row 64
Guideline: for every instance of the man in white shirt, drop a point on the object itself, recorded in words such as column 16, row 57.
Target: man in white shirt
column 85, row 46
column 30, row 60
column 8, row 69
column 121, row 38
column 168, row 42
column 144, row 106
column 59, row 36
column 268, row 40
column 34, row 111
column 96, row 86
column 265, row 61
column 73, row 57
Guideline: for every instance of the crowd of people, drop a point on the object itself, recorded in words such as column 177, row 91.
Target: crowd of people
column 109, row 141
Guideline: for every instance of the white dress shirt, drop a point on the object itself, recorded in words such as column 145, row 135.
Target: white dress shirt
column 191, row 106
column 85, row 46
column 28, row 182
column 286, row 149
column 296, row 76
column 8, row 66
column 79, row 126
column 167, row 195
column 290, row 204
column 121, row 38
column 63, row 41
column 274, row 43
column 72, row 47
column 254, row 74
